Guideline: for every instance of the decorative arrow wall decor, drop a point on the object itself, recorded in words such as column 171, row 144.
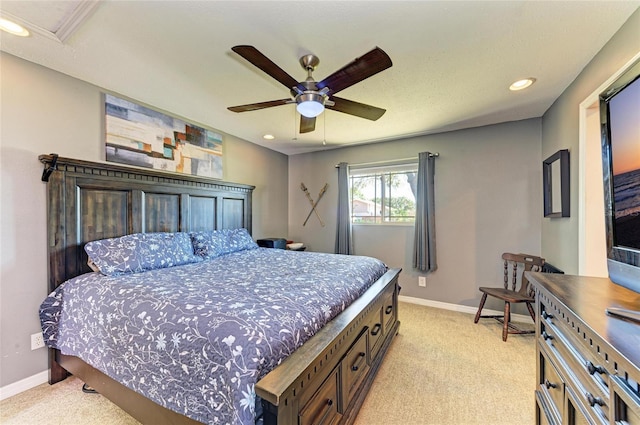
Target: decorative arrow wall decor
column 313, row 204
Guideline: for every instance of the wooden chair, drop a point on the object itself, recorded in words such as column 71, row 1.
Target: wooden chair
column 514, row 265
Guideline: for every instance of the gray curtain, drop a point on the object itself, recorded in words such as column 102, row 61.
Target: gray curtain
column 424, row 243
column 344, row 242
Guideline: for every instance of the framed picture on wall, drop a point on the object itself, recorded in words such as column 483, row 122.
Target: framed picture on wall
column 137, row 135
column 555, row 185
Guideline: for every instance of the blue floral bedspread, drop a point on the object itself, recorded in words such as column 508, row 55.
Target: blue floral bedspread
column 196, row 338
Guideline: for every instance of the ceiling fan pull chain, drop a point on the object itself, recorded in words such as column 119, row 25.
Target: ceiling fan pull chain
column 324, row 124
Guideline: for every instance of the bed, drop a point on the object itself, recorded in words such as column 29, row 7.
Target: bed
column 320, row 375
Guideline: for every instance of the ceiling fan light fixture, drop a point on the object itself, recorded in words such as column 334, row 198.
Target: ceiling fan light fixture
column 310, row 105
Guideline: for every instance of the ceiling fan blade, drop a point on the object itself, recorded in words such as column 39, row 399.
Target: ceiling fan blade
column 262, row 62
column 355, row 108
column 260, row 105
column 361, row 68
column 307, row 125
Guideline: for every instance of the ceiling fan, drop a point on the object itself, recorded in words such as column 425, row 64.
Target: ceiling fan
column 310, row 96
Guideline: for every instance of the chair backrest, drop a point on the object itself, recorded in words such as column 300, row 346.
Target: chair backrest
column 514, row 267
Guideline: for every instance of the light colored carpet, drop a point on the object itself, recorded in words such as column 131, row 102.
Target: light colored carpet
column 444, row 369
column 61, row 404
column 441, row 369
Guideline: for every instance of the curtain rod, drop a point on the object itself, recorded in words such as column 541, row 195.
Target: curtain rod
column 367, row 164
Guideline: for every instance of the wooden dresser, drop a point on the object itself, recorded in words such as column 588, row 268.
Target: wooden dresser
column 588, row 363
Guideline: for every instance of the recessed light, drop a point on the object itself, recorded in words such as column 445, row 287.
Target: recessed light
column 268, row 137
column 13, row 28
column 522, row 84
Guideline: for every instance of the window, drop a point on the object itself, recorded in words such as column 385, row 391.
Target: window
column 384, row 194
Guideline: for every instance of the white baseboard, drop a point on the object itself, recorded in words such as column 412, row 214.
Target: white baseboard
column 24, row 384
column 461, row 308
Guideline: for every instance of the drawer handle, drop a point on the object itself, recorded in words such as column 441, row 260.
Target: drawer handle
column 549, row 384
column 327, row 410
column 546, row 336
column 594, row 400
column 546, row 315
column 376, row 329
column 389, row 309
column 358, row 362
column 593, row 368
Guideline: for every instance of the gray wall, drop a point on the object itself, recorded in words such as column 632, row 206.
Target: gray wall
column 488, row 191
column 44, row 111
column 560, row 130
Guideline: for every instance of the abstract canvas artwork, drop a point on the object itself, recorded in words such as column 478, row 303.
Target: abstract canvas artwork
column 137, row 135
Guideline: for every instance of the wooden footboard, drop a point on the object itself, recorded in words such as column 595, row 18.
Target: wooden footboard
column 326, row 380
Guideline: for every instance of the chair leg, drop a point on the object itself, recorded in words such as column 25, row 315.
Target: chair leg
column 507, row 318
column 484, row 298
column 531, row 312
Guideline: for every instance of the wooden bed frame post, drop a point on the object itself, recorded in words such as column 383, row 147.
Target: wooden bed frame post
column 55, row 248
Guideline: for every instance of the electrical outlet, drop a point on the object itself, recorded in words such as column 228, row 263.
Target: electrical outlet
column 422, row 281
column 37, row 341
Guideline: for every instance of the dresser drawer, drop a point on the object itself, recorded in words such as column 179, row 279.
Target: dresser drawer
column 581, row 351
column 355, row 365
column 625, row 402
column 582, row 354
column 593, row 396
column 550, row 386
column 323, row 407
column 543, row 412
column 574, row 412
column 553, row 340
column 595, row 400
column 388, row 309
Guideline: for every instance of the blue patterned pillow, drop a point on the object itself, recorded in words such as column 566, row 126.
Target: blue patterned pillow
column 214, row 243
column 240, row 240
column 140, row 252
column 210, row 244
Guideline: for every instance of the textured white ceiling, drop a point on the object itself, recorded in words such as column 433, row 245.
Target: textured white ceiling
column 452, row 60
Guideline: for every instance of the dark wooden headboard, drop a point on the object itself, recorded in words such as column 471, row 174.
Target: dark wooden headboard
column 88, row 201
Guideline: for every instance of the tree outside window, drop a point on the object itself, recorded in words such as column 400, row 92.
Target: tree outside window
column 385, row 194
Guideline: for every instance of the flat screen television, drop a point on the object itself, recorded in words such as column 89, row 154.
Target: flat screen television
column 620, row 129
